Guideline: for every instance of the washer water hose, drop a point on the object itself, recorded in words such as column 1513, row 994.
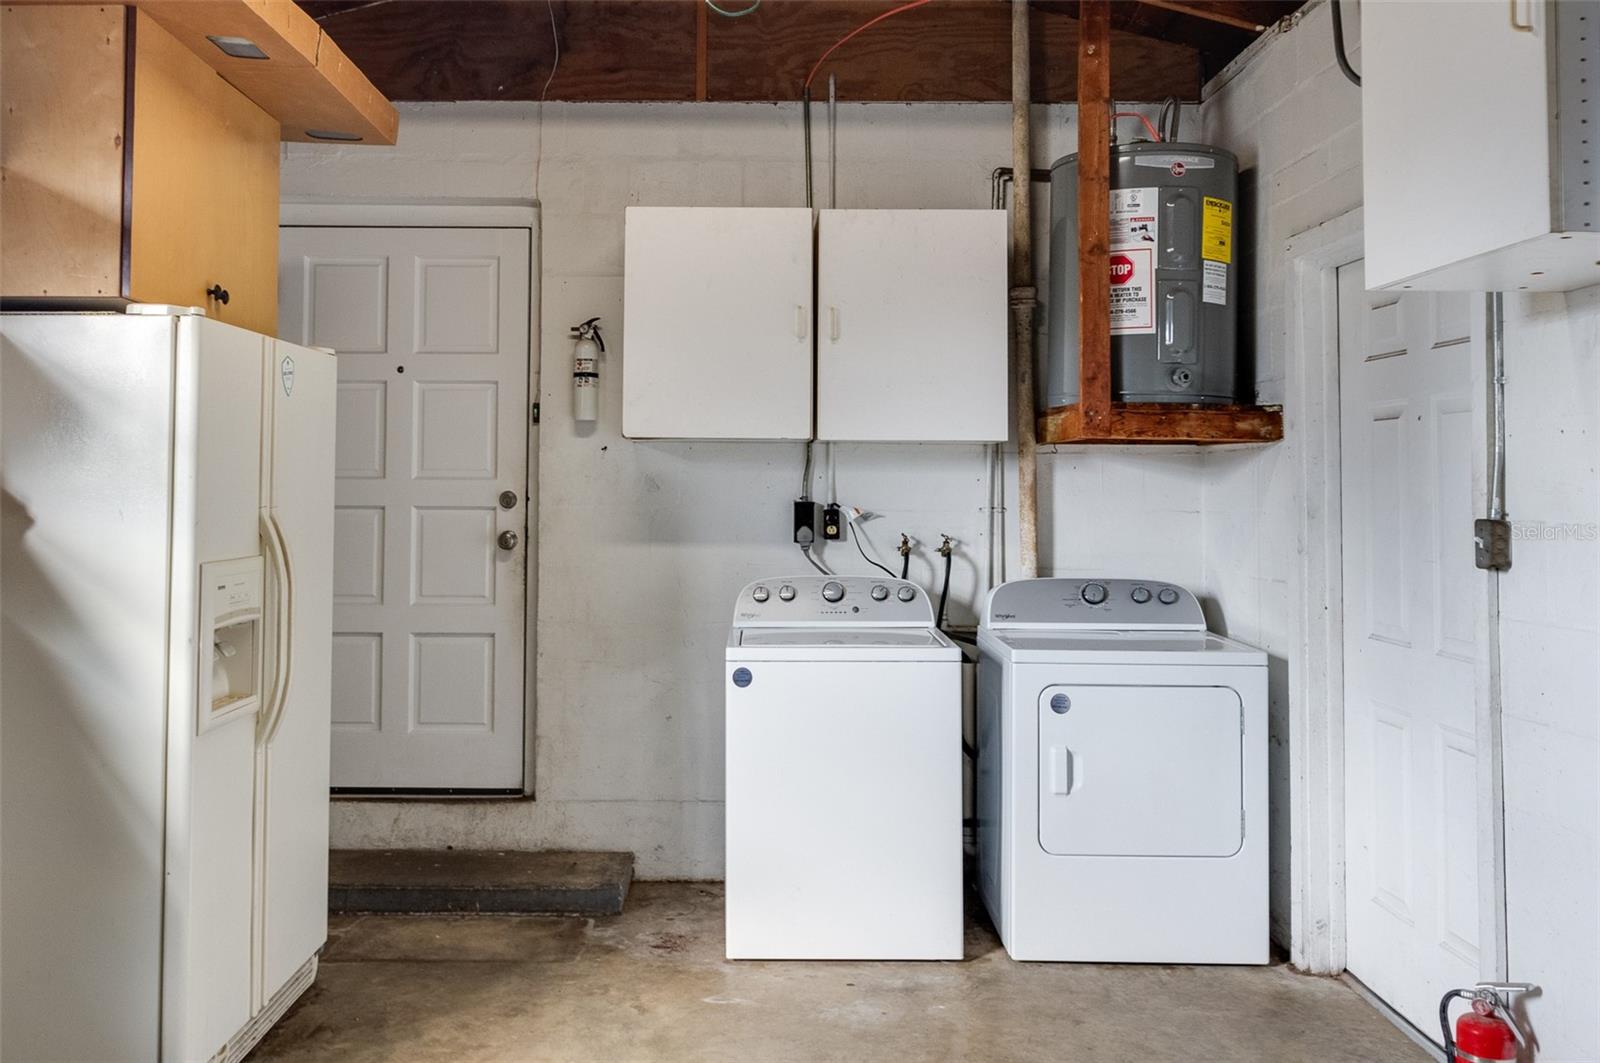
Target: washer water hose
column 947, row 551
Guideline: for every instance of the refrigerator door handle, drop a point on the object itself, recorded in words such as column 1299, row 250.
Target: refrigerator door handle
column 283, row 651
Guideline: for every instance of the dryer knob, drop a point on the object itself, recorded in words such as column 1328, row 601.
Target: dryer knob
column 832, row 591
column 760, row 594
column 1167, row 596
column 786, row 592
column 905, row 594
column 880, row 593
column 1094, row 593
column 1140, row 595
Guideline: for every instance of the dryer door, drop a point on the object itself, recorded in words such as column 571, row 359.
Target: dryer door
column 1140, row 771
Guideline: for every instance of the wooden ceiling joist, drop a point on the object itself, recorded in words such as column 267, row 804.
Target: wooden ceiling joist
column 643, row 50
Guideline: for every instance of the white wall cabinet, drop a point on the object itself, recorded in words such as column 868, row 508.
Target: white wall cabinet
column 718, row 323
column 911, row 325
column 716, row 332
column 1479, row 125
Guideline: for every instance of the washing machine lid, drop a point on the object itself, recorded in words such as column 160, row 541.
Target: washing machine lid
column 837, row 642
column 1119, row 647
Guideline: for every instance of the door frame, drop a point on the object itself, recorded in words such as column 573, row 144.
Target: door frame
column 470, row 214
column 1318, row 891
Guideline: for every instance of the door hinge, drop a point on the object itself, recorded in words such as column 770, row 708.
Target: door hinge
column 533, row 413
column 1491, row 544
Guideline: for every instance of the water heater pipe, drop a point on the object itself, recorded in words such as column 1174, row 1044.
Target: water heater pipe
column 1024, row 298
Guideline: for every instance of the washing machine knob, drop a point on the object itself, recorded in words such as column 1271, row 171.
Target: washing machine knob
column 1167, row 596
column 832, row 591
column 786, row 592
column 1141, row 595
column 760, row 594
column 880, row 593
column 905, row 594
column 1094, row 593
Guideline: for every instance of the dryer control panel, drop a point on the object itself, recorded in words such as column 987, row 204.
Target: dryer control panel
column 1093, row 604
column 861, row 601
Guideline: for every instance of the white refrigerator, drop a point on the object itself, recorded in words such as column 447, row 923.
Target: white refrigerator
column 165, row 638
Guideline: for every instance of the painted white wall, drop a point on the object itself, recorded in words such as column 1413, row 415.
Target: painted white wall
column 643, row 545
column 1289, row 114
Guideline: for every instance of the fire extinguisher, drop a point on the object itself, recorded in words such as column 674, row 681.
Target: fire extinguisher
column 1486, row 1032
column 586, row 370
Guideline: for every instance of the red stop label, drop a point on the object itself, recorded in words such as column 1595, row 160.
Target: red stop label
column 1121, row 269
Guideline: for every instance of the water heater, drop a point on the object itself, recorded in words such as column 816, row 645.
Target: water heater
column 1174, row 276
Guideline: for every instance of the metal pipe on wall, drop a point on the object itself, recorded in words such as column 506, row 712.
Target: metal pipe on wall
column 1024, row 297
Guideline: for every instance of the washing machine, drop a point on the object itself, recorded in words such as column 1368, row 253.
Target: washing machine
column 844, row 767
column 1122, row 776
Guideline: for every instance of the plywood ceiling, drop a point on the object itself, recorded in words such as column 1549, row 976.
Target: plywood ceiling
column 955, row 50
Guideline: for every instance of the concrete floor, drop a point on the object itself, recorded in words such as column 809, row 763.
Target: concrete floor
column 651, row 984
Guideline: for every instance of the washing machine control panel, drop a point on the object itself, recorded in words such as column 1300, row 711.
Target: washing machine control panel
column 1104, row 604
column 858, row 600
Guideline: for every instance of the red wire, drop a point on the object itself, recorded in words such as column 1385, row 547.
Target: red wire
column 865, row 25
column 1129, row 114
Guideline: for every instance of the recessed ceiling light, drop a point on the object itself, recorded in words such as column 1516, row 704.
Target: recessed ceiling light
column 331, row 134
column 238, row 47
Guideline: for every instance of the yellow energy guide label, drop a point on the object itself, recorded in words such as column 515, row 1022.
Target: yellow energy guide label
column 1216, row 230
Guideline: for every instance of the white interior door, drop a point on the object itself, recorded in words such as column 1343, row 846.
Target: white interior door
column 431, row 515
column 1413, row 606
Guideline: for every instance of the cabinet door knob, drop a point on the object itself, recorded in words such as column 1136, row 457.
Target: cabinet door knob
column 219, row 293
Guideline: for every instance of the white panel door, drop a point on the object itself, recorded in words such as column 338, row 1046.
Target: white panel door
column 716, row 336
column 430, row 518
column 911, row 325
column 1412, row 605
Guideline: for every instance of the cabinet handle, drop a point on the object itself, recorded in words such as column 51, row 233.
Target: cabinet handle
column 1521, row 27
column 799, row 321
column 219, row 293
column 833, row 323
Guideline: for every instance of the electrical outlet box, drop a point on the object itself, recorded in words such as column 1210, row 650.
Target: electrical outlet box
column 807, row 521
column 1491, row 543
column 832, row 521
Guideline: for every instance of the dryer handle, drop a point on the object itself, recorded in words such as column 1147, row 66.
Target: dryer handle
column 1061, row 771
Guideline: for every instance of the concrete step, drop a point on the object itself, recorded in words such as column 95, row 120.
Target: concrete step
column 478, row 880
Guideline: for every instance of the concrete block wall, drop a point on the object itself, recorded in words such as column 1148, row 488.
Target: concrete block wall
column 643, row 545
column 1290, row 115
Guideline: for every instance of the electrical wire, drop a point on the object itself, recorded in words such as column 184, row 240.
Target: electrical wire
column 1155, row 134
column 1170, row 119
column 864, row 26
column 555, row 64
column 733, row 14
column 855, row 533
column 1338, row 44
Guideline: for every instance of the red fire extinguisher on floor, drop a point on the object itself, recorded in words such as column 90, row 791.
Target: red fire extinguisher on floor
column 1487, row 1031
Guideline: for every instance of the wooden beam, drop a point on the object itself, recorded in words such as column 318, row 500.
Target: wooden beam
column 1164, row 423
column 1094, row 212
column 1210, row 14
column 701, row 59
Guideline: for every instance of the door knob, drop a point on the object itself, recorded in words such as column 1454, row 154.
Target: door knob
column 508, row 540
